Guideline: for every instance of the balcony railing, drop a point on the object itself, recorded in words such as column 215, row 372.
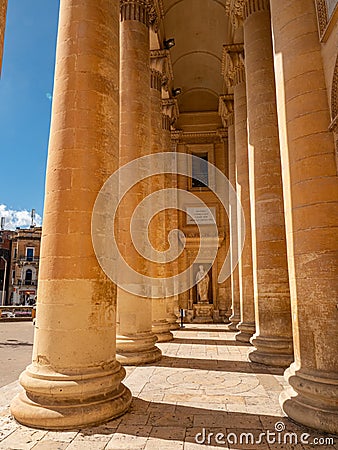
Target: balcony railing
column 27, row 282
column 29, row 259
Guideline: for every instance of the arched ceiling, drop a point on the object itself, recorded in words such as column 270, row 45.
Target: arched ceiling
column 200, row 28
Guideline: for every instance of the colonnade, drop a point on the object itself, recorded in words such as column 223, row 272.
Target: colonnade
column 281, row 162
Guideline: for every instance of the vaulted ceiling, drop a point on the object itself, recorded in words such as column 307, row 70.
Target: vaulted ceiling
column 200, row 28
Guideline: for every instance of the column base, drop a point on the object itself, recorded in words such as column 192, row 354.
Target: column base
column 272, row 351
column 234, row 321
column 64, row 401
column 136, row 349
column 311, row 399
column 246, row 331
column 161, row 330
column 172, row 320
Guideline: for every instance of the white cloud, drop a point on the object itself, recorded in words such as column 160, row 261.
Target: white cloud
column 20, row 219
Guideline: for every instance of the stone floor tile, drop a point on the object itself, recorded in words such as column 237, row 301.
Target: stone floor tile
column 7, row 426
column 50, row 445
column 87, row 445
column 169, row 433
column 22, row 439
column 129, row 438
column 64, row 436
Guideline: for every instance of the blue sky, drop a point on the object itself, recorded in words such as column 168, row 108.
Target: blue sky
column 25, row 101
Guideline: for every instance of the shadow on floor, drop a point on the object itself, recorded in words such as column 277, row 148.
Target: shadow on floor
column 219, row 365
column 211, row 341
column 186, row 423
column 189, row 327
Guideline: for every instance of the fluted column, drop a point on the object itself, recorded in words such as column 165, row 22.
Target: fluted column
column 235, row 76
column 135, row 340
column 74, row 379
column 273, row 338
column 227, row 104
column 160, row 324
column 310, row 191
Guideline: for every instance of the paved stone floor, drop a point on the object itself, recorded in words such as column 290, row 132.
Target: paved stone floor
column 204, row 384
column 16, row 343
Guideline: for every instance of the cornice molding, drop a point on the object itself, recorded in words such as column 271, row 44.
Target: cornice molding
column 205, row 137
column 233, row 68
column 176, row 135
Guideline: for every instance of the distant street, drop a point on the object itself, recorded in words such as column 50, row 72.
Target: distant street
column 16, row 344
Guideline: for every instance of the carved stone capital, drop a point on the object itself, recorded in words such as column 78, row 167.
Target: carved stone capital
column 234, row 9
column 170, row 109
column 149, row 12
column 233, row 68
column 156, row 13
column 160, row 60
column 135, row 10
column 252, row 6
column 226, row 109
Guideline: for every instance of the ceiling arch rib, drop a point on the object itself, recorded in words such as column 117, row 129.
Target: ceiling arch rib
column 200, row 28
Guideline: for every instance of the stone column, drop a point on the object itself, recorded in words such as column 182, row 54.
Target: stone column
column 135, row 340
column 169, row 114
column 74, row 379
column 160, row 324
column 310, row 193
column 227, row 112
column 235, row 76
column 273, row 338
column 3, row 11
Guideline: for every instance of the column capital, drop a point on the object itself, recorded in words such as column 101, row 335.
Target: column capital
column 160, row 60
column 226, row 109
column 234, row 9
column 149, row 12
column 170, row 109
column 252, row 6
column 233, row 69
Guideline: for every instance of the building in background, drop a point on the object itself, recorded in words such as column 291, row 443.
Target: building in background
column 5, row 253
column 24, row 266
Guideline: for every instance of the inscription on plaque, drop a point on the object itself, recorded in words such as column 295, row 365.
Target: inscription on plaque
column 201, row 216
